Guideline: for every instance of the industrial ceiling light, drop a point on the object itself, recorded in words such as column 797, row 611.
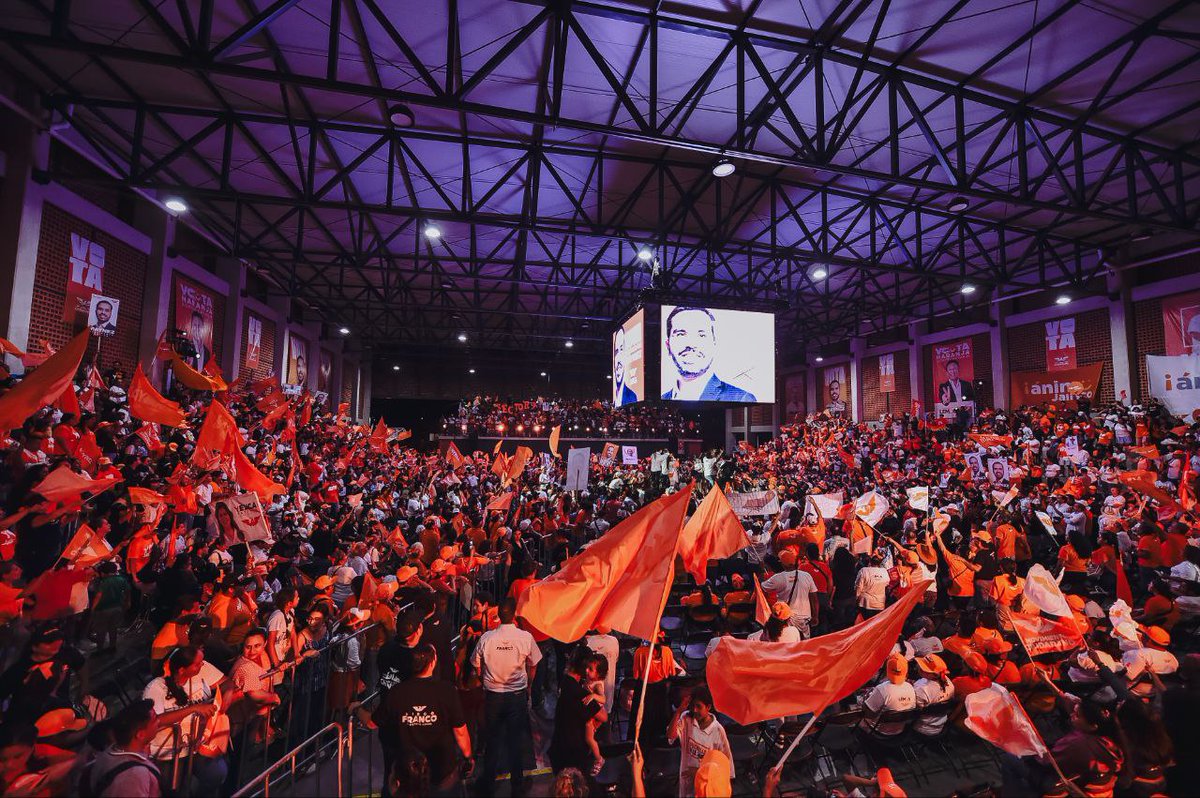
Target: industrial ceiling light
column 432, row 231
column 958, row 205
column 967, row 288
column 645, row 254
column 1063, row 299
column 819, row 359
column 401, row 115
column 470, row 371
column 723, row 168
column 344, row 330
column 543, row 374
column 462, row 337
column 569, row 344
column 176, row 205
column 395, row 368
column 819, row 273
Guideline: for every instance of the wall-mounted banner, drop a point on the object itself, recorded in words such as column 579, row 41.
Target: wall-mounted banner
column 297, row 363
column 1060, row 344
column 953, row 373
column 325, row 371
column 887, row 373
column 794, row 401
column 253, row 341
column 85, row 276
column 1175, row 381
column 837, row 389
column 194, row 316
column 1181, row 324
column 1044, row 387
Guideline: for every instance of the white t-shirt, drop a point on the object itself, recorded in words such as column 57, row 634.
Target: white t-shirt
column 608, row 647
column 283, row 626
column 694, row 743
column 199, row 689
column 930, row 692
column 501, row 656
column 888, row 697
column 794, row 588
column 1148, row 659
column 790, row 634
column 871, row 588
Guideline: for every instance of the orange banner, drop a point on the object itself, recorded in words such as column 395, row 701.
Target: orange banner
column 1043, row 387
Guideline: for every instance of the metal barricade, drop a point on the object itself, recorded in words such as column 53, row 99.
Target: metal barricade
column 313, row 750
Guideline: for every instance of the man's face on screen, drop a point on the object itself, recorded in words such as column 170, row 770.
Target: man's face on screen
column 619, row 357
column 691, row 342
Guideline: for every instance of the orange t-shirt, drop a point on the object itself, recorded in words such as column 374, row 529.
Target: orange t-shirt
column 1006, row 541
column 1071, row 560
column 1150, row 552
column 1004, row 592
column 663, row 666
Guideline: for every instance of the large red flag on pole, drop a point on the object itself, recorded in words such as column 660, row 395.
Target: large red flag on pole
column 149, row 405
column 752, row 681
column 44, row 385
column 712, row 533
column 619, row 580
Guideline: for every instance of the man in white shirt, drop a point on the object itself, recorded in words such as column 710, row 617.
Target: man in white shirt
column 895, row 694
column 797, row 589
column 870, row 587
column 506, row 658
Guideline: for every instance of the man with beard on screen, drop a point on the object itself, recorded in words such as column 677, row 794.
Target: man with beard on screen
column 622, row 393
column 691, row 343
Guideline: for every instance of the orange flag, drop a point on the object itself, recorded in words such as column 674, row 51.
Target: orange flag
column 517, row 463
column 145, row 496
column 211, row 442
column 43, row 386
column 988, row 440
column 212, row 370
column 1187, row 492
column 554, row 433
column 500, row 464
column 712, row 533
column 64, row 485
column 454, row 456
column 379, row 436
column 7, row 347
column 619, row 580
column 194, row 379
column 67, row 401
column 1149, row 452
column 87, row 548
column 149, row 405
column 762, row 607
column 501, row 503
column 1143, row 481
column 752, row 681
column 250, row 478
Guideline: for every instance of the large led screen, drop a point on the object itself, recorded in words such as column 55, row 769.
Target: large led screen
column 629, row 361
column 714, row 355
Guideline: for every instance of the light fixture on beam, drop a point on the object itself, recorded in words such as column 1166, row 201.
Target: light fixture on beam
column 175, row 205
column 723, row 168
column 958, row 205
column 432, row 231
column 401, row 115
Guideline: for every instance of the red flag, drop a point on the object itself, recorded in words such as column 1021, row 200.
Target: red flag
column 554, row 433
column 454, row 456
column 1042, row 635
column 379, row 436
column 63, row 484
column 7, row 347
column 272, row 419
column 1143, row 481
column 32, row 359
column 501, row 502
column 988, row 440
column 752, row 681
column 194, row 379
column 216, row 432
column 43, row 386
column 145, row 496
column 1187, row 491
column 68, row 402
column 149, row 433
column 212, row 370
column 87, row 397
column 1149, row 452
column 847, row 458
column 619, row 580
column 997, row 716
column 86, row 548
column 149, row 405
column 249, row 477
column 712, row 533
column 1123, row 591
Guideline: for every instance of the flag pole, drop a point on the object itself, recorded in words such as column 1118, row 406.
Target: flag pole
column 796, row 740
column 662, row 605
column 1068, row 783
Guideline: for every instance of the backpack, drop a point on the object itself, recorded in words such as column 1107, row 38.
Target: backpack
column 89, row 786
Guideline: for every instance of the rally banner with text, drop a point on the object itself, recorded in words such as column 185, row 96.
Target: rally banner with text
column 1060, row 345
column 85, row 276
column 253, row 341
column 1175, row 381
column 887, row 373
column 1044, row 387
column 758, row 502
column 953, row 375
column 194, row 316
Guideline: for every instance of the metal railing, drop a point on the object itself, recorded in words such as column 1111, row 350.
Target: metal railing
column 295, row 768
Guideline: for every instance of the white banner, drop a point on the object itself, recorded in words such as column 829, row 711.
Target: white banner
column 1175, row 381
column 629, row 455
column 758, row 502
column 240, row 519
column 577, row 468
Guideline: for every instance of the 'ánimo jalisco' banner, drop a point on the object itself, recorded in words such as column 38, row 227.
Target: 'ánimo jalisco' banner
column 1046, row 387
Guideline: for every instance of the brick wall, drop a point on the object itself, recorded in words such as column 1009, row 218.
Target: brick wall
column 218, row 320
column 875, row 403
column 1093, row 344
column 266, row 354
column 981, row 353
column 124, row 279
column 1150, row 338
column 348, row 372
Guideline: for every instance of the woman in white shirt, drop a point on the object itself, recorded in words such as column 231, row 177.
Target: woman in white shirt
column 186, row 688
column 934, row 687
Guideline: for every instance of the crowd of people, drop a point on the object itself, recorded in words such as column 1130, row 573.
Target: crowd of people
column 198, row 609
column 491, row 416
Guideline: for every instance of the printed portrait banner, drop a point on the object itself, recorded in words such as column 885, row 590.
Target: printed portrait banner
column 1175, row 381
column 608, row 455
column 836, row 388
column 1181, row 323
column 297, row 365
column 716, row 355
column 794, row 399
column 629, row 361
column 997, row 470
column 324, row 371
column 194, row 316
column 240, row 519
column 757, row 502
column 1060, row 344
column 102, row 314
column 887, row 373
column 953, row 372
column 253, row 341
column 577, row 468
column 629, row 455
column 85, row 276
column 1043, row 387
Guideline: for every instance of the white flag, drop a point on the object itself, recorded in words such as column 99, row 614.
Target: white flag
column 1046, row 522
column 871, row 507
column 825, row 505
column 918, row 499
column 1043, row 592
column 995, row 715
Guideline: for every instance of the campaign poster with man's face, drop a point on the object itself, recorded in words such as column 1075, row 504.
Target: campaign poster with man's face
column 102, row 314
column 297, row 367
column 1181, row 323
column 836, row 388
column 253, row 341
column 975, row 464
column 794, row 397
column 629, row 361
column 998, row 470
column 324, row 371
column 954, row 371
column 194, row 316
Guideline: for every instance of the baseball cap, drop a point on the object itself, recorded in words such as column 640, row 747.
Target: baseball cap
column 713, row 776
column 897, row 665
column 888, row 788
column 781, row 610
column 323, row 582
column 932, row 664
